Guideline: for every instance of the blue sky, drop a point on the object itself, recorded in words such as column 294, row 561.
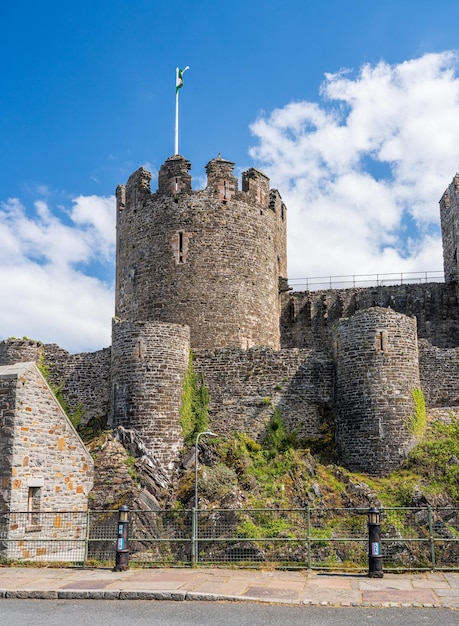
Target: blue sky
column 351, row 107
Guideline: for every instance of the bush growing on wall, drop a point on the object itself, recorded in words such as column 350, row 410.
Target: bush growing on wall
column 194, row 411
column 417, row 423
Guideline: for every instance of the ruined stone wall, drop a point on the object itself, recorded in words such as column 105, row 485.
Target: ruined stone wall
column 245, row 386
column 20, row 351
column 308, row 317
column 149, row 361
column 376, row 372
column 209, row 259
column 84, row 378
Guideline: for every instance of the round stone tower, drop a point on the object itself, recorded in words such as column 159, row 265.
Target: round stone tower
column 210, row 259
column 377, row 370
column 149, row 362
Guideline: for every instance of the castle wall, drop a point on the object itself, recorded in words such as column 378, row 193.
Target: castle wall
column 210, row 259
column 308, row 317
column 376, row 372
column 449, row 219
column 439, row 373
column 149, row 361
column 20, row 351
column 245, row 386
column 84, row 378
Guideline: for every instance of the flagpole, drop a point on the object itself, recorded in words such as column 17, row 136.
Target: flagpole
column 178, row 84
column 176, row 111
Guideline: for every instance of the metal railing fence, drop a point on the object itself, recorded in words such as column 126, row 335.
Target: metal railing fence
column 314, row 538
column 38, row 536
column 347, row 281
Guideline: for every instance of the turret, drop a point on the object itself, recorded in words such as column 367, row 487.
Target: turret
column 377, row 375
column 220, row 178
column 173, row 175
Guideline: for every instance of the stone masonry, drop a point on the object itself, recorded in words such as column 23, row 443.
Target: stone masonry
column 206, row 270
column 44, row 465
column 149, row 362
column 377, row 369
column 209, row 259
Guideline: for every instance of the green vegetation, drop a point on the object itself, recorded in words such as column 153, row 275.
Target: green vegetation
column 436, row 459
column 195, row 404
column 75, row 415
column 417, row 423
column 282, row 472
column 25, row 338
column 130, row 462
column 217, row 481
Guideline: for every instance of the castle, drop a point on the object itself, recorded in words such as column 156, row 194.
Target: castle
column 206, row 271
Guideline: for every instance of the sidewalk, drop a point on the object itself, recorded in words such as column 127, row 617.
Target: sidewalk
column 439, row 589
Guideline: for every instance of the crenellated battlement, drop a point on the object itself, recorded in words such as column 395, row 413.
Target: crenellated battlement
column 174, row 180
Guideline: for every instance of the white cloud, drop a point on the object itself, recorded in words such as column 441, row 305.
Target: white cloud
column 361, row 173
column 47, row 296
column 374, row 155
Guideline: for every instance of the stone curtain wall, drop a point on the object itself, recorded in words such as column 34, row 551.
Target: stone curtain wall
column 245, row 386
column 439, row 373
column 20, row 351
column 308, row 317
column 149, row 361
column 85, row 380
column 209, row 259
column 376, row 372
column 84, row 377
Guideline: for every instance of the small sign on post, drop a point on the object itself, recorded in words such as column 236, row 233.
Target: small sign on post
column 122, row 549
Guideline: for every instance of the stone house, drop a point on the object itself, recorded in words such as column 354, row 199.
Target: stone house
column 46, row 472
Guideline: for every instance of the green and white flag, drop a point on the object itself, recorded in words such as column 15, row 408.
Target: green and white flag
column 179, row 78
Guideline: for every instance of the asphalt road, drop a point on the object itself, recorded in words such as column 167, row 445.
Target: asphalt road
column 140, row 613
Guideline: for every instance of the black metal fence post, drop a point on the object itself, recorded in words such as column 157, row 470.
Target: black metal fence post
column 122, row 541
column 374, row 544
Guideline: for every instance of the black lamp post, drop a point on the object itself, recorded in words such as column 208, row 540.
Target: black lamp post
column 374, row 544
column 122, row 548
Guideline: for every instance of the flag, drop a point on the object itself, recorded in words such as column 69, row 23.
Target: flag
column 179, row 78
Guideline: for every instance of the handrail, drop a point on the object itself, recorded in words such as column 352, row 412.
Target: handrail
column 346, row 281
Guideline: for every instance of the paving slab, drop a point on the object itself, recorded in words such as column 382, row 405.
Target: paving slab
column 230, row 588
column 272, row 593
column 338, row 597
column 425, row 589
column 430, row 584
column 329, row 583
column 400, row 596
column 384, row 584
